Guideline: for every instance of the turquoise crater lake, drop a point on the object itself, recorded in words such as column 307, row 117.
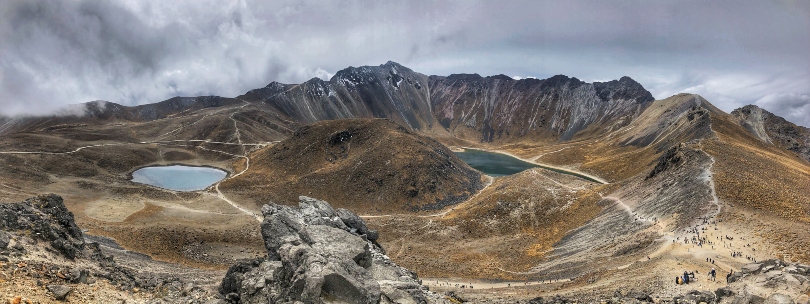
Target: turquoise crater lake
column 178, row 177
column 494, row 164
column 498, row 164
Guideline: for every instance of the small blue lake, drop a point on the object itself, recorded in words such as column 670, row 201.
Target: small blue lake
column 178, row 177
column 494, row 164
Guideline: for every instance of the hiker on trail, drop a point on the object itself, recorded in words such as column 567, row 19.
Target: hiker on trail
column 728, row 276
column 713, row 274
column 685, row 277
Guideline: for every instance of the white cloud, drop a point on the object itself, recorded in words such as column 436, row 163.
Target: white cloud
column 135, row 52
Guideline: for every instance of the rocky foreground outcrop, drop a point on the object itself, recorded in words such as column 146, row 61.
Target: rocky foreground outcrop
column 317, row 254
column 45, row 254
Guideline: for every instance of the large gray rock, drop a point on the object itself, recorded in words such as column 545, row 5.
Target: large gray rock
column 748, row 299
column 697, row 296
column 4, row 240
column 779, row 298
column 59, row 292
column 316, row 254
column 47, row 218
column 775, row 280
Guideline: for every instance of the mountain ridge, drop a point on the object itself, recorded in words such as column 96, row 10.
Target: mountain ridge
column 389, row 90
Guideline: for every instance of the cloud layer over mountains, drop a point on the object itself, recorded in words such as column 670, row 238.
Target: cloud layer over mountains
column 132, row 52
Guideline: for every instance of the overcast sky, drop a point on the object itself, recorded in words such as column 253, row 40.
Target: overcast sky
column 733, row 53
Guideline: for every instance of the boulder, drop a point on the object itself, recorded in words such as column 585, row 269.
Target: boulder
column 79, row 275
column 697, row 296
column 4, row 240
column 47, row 218
column 639, row 296
column 316, row 254
column 748, row 299
column 723, row 292
column 779, row 298
column 59, row 292
column 752, row 268
column 355, row 222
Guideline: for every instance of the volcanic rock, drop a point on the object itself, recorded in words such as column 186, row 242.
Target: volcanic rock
column 314, row 256
column 59, row 292
column 47, row 219
column 775, row 130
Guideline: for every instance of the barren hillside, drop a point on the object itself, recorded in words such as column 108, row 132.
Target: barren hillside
column 368, row 165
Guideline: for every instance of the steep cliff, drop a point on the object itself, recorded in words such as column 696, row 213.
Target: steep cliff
column 775, row 130
column 501, row 109
column 387, row 91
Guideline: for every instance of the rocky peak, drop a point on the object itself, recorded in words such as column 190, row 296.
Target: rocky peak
column 561, row 80
column 625, row 88
column 501, row 77
column 464, row 77
column 276, row 86
column 396, row 67
column 317, row 87
column 773, row 129
column 748, row 109
column 753, row 119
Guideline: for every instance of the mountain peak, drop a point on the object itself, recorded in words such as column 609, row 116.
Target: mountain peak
column 624, row 88
column 391, row 64
column 501, row 77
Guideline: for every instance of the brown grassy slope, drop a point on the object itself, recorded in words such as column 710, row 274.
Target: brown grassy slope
column 764, row 181
column 367, row 165
column 632, row 150
column 758, row 175
column 508, row 227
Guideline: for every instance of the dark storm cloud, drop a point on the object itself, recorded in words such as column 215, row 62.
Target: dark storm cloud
column 731, row 52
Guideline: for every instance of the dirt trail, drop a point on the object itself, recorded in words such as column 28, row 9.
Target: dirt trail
column 456, row 283
column 222, row 196
column 219, row 193
column 191, row 124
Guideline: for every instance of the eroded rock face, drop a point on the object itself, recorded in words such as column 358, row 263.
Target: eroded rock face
column 775, row 130
column 501, row 109
column 41, row 239
column 316, row 254
column 48, row 219
column 771, row 281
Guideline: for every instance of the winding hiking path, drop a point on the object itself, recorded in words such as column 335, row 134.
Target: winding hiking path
column 450, row 283
column 157, row 141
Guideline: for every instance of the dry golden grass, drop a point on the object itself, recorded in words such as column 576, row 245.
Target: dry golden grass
column 761, row 177
column 371, row 166
column 509, row 227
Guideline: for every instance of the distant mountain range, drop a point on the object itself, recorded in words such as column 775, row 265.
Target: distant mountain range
column 374, row 140
column 493, row 109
